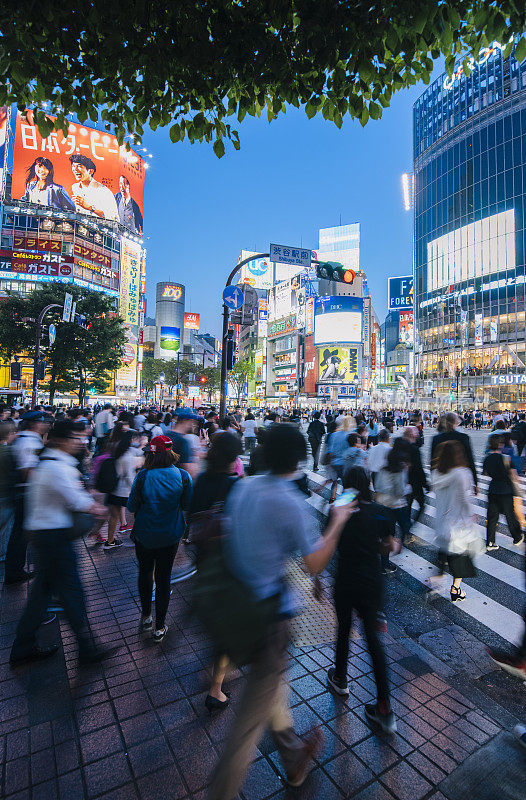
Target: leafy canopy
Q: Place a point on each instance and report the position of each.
(200, 66)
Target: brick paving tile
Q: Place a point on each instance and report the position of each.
(66, 755)
(403, 697)
(307, 687)
(450, 748)
(71, 785)
(421, 727)
(426, 767)
(102, 742)
(17, 744)
(460, 697)
(304, 719)
(442, 711)
(137, 729)
(41, 736)
(348, 773)
(376, 754)
(149, 756)
(482, 722)
(16, 775)
(375, 791)
(452, 704)
(438, 756)
(161, 785)
(409, 733)
(466, 727)
(405, 783)
(350, 728)
(106, 774)
(90, 719)
(261, 781)
(127, 792)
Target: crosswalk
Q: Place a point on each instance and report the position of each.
(495, 598)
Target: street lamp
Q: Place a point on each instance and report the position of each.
(161, 381)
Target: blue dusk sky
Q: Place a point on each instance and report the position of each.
(289, 179)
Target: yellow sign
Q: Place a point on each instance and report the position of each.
(130, 278)
(338, 365)
(127, 374)
(172, 292)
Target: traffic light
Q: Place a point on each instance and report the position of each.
(203, 379)
(334, 271)
(230, 351)
(16, 371)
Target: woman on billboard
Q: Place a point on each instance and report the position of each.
(42, 189)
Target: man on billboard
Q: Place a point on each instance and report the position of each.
(90, 196)
(129, 212)
(42, 189)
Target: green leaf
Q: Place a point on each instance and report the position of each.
(175, 132)
(520, 50)
(219, 148)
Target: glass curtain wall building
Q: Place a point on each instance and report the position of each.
(469, 140)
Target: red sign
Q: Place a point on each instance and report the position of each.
(86, 171)
(309, 366)
(405, 327)
(40, 263)
(191, 321)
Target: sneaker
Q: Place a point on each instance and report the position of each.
(387, 722)
(145, 624)
(515, 665)
(125, 528)
(409, 540)
(97, 538)
(337, 684)
(389, 569)
(492, 546)
(518, 541)
(160, 633)
(381, 622)
(312, 745)
(112, 545)
(520, 734)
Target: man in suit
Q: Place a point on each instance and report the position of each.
(416, 477)
(129, 211)
(452, 422)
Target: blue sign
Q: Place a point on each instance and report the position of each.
(233, 297)
(400, 293)
(296, 256)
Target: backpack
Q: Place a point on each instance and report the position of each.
(233, 617)
(107, 478)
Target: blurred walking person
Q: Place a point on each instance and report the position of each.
(315, 434)
(500, 493)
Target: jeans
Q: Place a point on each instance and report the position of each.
(263, 703)
(6, 525)
(161, 560)
(501, 504)
(250, 443)
(16, 553)
(403, 517)
(56, 575)
(344, 605)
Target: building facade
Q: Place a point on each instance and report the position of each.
(470, 236)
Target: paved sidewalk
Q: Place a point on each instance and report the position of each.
(136, 726)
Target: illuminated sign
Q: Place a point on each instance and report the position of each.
(338, 365)
(191, 321)
(281, 326)
(338, 320)
(172, 292)
(400, 292)
(485, 54)
(129, 294)
(170, 341)
(516, 377)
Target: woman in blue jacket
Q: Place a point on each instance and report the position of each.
(159, 495)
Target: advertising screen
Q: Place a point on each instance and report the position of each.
(191, 321)
(401, 292)
(338, 320)
(258, 273)
(309, 366)
(170, 341)
(86, 171)
(405, 327)
(130, 281)
(4, 113)
(338, 365)
(127, 374)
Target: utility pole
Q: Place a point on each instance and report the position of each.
(37, 351)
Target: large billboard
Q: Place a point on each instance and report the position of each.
(338, 320)
(338, 365)
(86, 171)
(191, 321)
(170, 341)
(400, 292)
(258, 273)
(405, 327)
(309, 366)
(130, 281)
(4, 115)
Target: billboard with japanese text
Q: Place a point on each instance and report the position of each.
(130, 281)
(338, 365)
(85, 172)
(191, 321)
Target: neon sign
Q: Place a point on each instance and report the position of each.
(172, 292)
(485, 54)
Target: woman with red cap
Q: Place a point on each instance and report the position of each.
(159, 496)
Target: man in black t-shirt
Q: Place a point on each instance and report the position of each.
(500, 493)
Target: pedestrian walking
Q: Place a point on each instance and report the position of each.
(392, 489)
(416, 476)
(358, 589)
(377, 455)
(500, 493)
(448, 432)
(54, 499)
(315, 434)
(267, 522)
(7, 483)
(249, 428)
(128, 458)
(159, 495)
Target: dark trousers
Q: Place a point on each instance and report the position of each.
(315, 447)
(344, 605)
(161, 560)
(401, 516)
(501, 504)
(57, 575)
(417, 494)
(16, 553)
(250, 443)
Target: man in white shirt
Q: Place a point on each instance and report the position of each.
(90, 196)
(104, 422)
(53, 495)
(377, 455)
(25, 451)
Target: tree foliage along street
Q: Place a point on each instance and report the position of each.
(152, 368)
(238, 374)
(201, 67)
(79, 359)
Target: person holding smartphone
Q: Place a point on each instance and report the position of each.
(358, 587)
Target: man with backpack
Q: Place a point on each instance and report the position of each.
(266, 523)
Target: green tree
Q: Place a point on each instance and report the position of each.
(239, 372)
(151, 369)
(79, 359)
(213, 380)
(198, 67)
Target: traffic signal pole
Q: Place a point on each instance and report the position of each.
(226, 315)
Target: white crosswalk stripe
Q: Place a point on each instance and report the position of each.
(503, 569)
